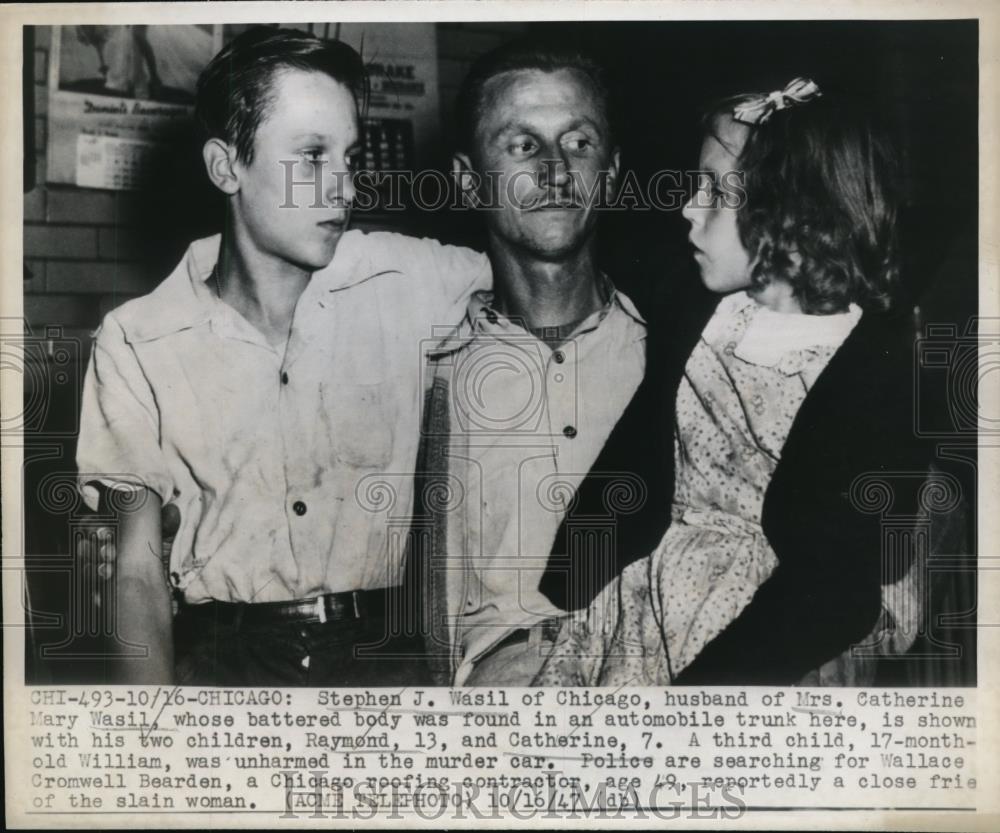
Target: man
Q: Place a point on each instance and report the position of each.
(524, 393)
(260, 387)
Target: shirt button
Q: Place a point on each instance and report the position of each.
(569, 431)
(284, 378)
(558, 357)
(558, 377)
(300, 508)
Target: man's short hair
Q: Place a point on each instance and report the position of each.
(234, 90)
(540, 52)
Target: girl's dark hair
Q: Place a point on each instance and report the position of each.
(544, 51)
(235, 90)
(820, 213)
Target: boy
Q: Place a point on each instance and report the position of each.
(264, 389)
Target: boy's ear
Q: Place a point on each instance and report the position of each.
(219, 163)
(466, 179)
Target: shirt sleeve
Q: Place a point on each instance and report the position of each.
(119, 444)
(446, 276)
(455, 272)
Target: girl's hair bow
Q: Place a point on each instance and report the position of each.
(758, 109)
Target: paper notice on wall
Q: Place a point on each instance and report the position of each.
(110, 162)
(119, 93)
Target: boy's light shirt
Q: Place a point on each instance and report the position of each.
(286, 489)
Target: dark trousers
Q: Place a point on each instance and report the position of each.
(350, 654)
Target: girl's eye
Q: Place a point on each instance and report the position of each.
(314, 155)
(708, 193)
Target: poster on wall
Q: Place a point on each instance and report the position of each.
(117, 97)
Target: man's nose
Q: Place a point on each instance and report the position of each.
(554, 172)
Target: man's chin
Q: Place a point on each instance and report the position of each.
(556, 246)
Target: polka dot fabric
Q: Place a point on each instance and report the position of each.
(733, 416)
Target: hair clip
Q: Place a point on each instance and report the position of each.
(758, 109)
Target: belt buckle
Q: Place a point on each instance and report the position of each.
(321, 609)
(354, 600)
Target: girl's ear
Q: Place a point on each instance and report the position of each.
(220, 163)
(466, 179)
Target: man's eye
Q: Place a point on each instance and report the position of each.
(578, 144)
(523, 147)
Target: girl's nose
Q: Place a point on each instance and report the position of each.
(689, 212)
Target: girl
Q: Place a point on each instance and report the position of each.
(795, 391)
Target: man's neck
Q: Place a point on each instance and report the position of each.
(545, 293)
(263, 288)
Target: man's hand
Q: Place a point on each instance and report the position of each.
(101, 552)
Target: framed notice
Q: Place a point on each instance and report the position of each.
(117, 97)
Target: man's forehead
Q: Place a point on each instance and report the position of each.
(526, 89)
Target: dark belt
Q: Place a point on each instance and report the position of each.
(352, 606)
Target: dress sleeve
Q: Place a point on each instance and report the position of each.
(825, 594)
(799, 618)
(119, 444)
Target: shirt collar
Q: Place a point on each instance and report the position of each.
(185, 300)
(770, 335)
(482, 319)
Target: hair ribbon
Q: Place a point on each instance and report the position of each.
(759, 108)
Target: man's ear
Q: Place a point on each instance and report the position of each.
(466, 179)
(220, 162)
(614, 166)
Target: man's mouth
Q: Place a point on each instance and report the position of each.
(550, 203)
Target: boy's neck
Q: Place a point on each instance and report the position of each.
(546, 294)
(263, 288)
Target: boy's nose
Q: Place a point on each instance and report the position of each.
(340, 187)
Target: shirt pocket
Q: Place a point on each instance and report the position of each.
(362, 420)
